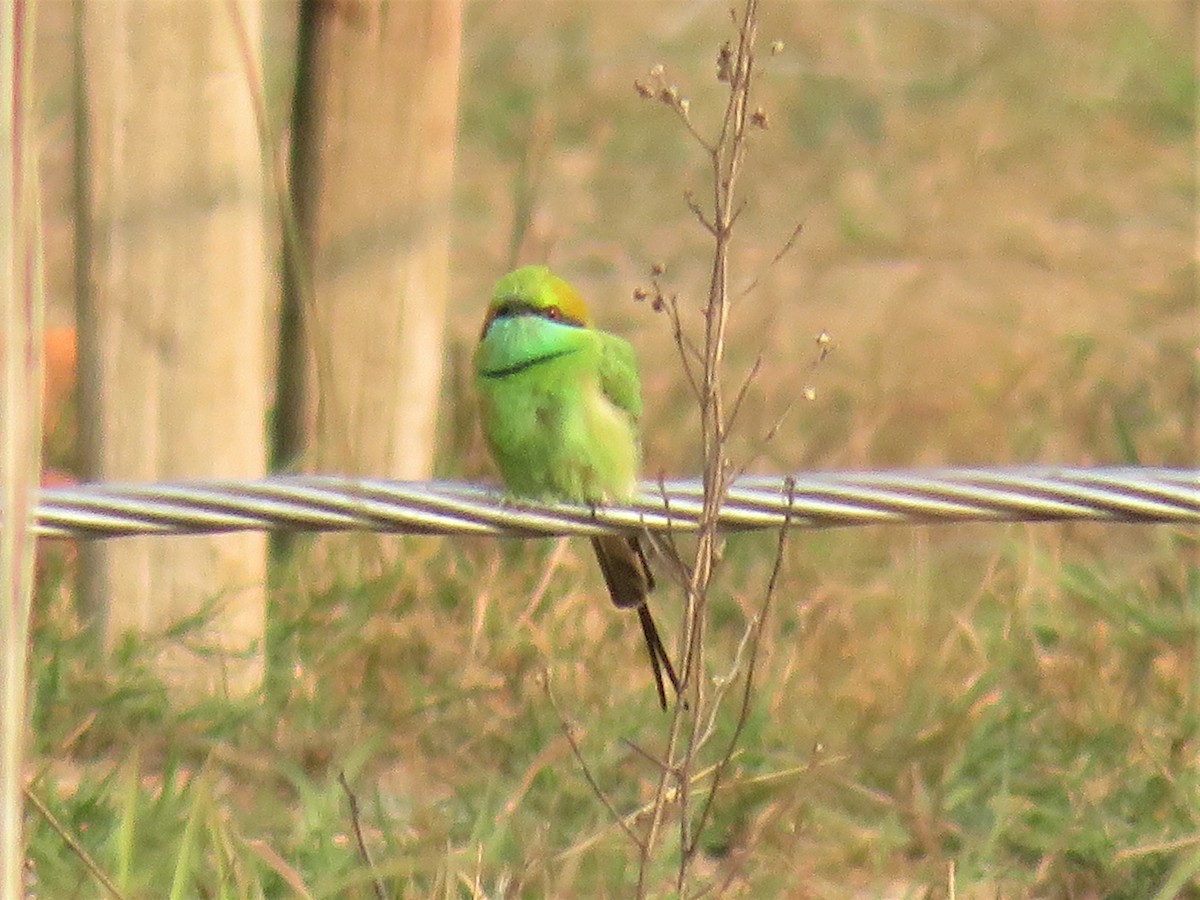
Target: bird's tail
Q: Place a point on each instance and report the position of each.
(630, 582)
(625, 569)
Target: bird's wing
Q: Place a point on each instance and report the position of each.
(619, 375)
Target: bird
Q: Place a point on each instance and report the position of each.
(559, 403)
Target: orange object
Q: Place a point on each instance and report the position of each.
(60, 348)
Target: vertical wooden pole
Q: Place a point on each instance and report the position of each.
(20, 420)
(172, 315)
(376, 110)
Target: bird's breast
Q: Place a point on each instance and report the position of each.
(551, 429)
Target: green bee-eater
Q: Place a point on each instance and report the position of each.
(560, 402)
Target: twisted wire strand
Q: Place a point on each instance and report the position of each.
(810, 500)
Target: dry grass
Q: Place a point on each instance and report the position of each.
(999, 214)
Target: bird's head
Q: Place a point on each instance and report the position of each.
(536, 292)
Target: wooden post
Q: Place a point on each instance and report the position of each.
(20, 418)
(172, 314)
(376, 108)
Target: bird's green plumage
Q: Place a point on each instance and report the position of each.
(560, 400)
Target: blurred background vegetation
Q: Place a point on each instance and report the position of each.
(999, 211)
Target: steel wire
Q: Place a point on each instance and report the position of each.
(810, 500)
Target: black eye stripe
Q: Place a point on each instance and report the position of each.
(511, 309)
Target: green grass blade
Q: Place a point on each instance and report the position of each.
(182, 879)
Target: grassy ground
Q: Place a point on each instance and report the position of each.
(999, 210)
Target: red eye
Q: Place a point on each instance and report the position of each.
(553, 313)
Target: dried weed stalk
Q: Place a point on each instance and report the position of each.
(683, 789)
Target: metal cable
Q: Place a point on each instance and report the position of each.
(811, 500)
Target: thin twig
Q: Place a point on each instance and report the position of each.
(825, 346)
(527, 183)
(682, 111)
(569, 734)
(703, 369)
(666, 545)
(726, 681)
(73, 845)
(725, 162)
(690, 199)
(744, 710)
(737, 213)
(783, 251)
(645, 809)
(298, 276)
(689, 354)
(766, 440)
(671, 303)
(380, 890)
(742, 391)
(644, 754)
